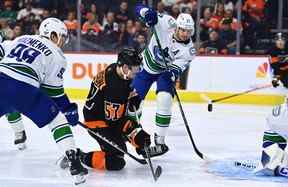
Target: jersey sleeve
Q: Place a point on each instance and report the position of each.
(94, 106)
(53, 81)
(166, 24)
(4, 48)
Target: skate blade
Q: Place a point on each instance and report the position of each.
(21, 146)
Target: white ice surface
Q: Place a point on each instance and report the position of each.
(228, 133)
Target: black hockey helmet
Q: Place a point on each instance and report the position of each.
(130, 57)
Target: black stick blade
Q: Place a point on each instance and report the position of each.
(210, 107)
(158, 172)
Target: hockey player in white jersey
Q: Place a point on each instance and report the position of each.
(175, 38)
(274, 158)
(31, 79)
(15, 119)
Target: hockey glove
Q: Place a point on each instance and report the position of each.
(71, 114)
(174, 74)
(134, 102)
(275, 81)
(148, 15)
(142, 138)
(151, 17)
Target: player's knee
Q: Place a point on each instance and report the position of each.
(164, 100)
(58, 120)
(115, 162)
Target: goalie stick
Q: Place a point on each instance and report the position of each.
(158, 171)
(279, 171)
(141, 161)
(178, 100)
(210, 102)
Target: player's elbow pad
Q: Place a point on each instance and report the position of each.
(62, 102)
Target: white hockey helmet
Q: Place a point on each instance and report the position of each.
(185, 21)
(50, 25)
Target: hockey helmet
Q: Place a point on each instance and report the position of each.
(50, 25)
(280, 36)
(185, 21)
(130, 57)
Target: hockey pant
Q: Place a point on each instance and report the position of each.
(37, 106)
(109, 157)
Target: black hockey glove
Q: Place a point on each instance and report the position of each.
(134, 101)
(276, 81)
(71, 114)
(142, 138)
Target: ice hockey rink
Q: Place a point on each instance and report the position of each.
(230, 133)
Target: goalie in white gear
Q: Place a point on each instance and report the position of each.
(274, 159)
(31, 79)
(175, 38)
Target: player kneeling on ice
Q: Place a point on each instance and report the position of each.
(175, 38)
(105, 113)
(274, 158)
(31, 79)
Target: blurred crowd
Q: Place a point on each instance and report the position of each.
(111, 24)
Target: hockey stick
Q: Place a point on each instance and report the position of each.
(244, 165)
(141, 161)
(155, 173)
(210, 102)
(178, 99)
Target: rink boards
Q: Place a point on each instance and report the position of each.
(215, 76)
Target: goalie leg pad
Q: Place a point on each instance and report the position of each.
(273, 154)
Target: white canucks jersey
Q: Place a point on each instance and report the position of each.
(177, 54)
(35, 60)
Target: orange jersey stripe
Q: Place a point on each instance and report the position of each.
(96, 124)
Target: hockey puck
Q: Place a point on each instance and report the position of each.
(210, 107)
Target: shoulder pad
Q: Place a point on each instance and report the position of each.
(99, 80)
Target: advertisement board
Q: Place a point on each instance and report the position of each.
(216, 76)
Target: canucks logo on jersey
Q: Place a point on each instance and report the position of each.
(158, 55)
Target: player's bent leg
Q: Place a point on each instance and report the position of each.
(102, 161)
(17, 126)
(63, 136)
